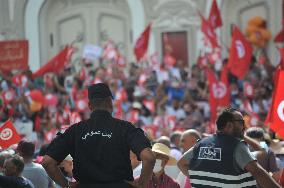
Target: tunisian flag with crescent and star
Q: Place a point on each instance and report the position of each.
(277, 106)
(8, 135)
(240, 54)
(57, 63)
(208, 30)
(219, 91)
(141, 44)
(215, 16)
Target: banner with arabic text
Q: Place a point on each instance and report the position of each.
(13, 55)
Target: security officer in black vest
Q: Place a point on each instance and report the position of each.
(100, 148)
(224, 160)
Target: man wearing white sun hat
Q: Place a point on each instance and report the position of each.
(159, 178)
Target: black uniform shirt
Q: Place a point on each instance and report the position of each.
(100, 147)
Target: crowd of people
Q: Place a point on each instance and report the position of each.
(169, 102)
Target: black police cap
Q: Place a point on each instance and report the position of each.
(99, 91)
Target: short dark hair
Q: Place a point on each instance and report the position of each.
(175, 135)
(26, 149)
(18, 161)
(227, 115)
(255, 132)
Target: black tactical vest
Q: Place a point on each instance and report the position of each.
(213, 164)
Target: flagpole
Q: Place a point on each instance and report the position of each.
(78, 38)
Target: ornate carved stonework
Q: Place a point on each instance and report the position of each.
(171, 13)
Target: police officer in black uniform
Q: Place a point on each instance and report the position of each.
(100, 147)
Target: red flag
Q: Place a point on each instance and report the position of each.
(277, 112)
(268, 118)
(169, 60)
(281, 52)
(280, 36)
(118, 112)
(121, 61)
(8, 96)
(81, 105)
(219, 91)
(209, 32)
(248, 89)
(202, 60)
(50, 100)
(20, 80)
(141, 44)
(48, 81)
(75, 118)
(57, 63)
(8, 135)
(142, 79)
(253, 120)
(150, 104)
(240, 54)
(151, 130)
(154, 59)
(170, 122)
(50, 135)
(133, 116)
(214, 56)
(121, 94)
(83, 74)
(110, 51)
(36, 95)
(215, 16)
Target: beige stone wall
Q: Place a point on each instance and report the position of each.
(61, 21)
(12, 19)
(94, 22)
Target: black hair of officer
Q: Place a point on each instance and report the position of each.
(226, 115)
(100, 97)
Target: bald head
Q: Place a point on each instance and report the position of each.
(189, 138)
(164, 140)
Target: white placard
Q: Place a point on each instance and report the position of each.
(92, 52)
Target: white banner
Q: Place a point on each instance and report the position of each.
(92, 52)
